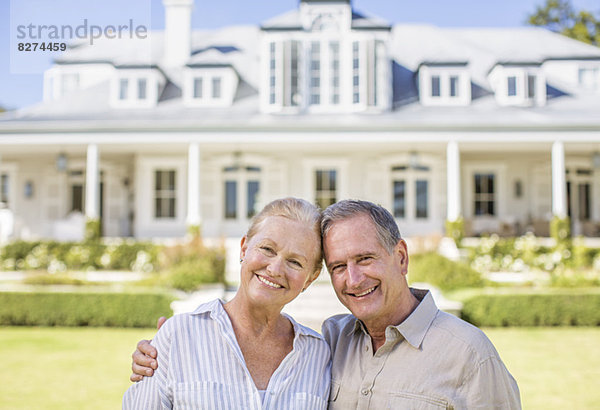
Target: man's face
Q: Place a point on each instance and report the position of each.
(367, 279)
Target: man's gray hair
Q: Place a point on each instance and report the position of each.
(385, 225)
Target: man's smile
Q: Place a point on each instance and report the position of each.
(362, 293)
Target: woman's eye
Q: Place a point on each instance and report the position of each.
(296, 263)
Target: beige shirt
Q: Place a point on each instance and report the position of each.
(432, 360)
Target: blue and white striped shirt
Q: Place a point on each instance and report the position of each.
(201, 366)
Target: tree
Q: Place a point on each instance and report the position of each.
(560, 16)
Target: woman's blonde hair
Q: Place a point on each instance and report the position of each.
(295, 209)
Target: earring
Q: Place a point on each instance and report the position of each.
(241, 260)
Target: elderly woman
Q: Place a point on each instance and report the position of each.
(246, 354)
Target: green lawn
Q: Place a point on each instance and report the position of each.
(88, 368)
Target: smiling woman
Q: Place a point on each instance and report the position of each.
(246, 353)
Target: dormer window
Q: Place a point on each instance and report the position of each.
(589, 77)
(518, 85)
(209, 86)
(142, 84)
(444, 84)
(136, 87)
(123, 89)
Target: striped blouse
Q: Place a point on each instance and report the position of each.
(200, 366)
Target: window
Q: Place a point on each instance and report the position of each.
(70, 82)
(422, 205)
(454, 86)
(399, 202)
(272, 73)
(589, 77)
(325, 187)
(315, 73)
(435, 86)
(231, 200)
(77, 198)
(334, 55)
(123, 88)
(164, 193)
(242, 187)
(142, 83)
(584, 201)
(410, 191)
(198, 87)
(216, 87)
(530, 86)
(355, 73)
(512, 86)
(484, 195)
(4, 189)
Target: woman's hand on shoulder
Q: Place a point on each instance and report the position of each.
(144, 358)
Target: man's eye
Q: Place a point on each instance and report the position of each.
(267, 249)
(365, 259)
(337, 268)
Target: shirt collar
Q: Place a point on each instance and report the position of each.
(218, 313)
(415, 326)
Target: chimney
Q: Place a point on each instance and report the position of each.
(178, 32)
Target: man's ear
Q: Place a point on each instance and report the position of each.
(401, 251)
(243, 247)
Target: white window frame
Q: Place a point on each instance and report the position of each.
(310, 166)
(241, 177)
(445, 74)
(228, 81)
(134, 76)
(499, 79)
(501, 194)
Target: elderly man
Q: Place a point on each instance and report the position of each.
(396, 349)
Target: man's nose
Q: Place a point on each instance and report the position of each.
(355, 275)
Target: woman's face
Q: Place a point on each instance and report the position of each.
(278, 261)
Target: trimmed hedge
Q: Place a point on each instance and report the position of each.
(83, 309)
(533, 310)
(439, 271)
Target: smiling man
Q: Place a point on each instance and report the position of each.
(397, 349)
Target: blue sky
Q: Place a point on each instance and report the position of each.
(19, 90)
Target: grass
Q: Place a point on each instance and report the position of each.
(66, 368)
(88, 368)
(556, 368)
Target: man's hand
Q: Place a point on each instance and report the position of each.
(144, 358)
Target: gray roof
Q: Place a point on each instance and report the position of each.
(291, 21)
(410, 46)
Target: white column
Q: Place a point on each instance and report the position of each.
(559, 184)
(92, 183)
(453, 211)
(193, 209)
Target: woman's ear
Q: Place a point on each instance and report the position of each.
(243, 247)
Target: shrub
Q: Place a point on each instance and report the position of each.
(560, 230)
(46, 279)
(190, 274)
(533, 310)
(456, 230)
(441, 272)
(191, 264)
(83, 309)
(61, 256)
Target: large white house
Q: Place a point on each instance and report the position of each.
(202, 127)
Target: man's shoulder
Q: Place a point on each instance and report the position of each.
(459, 332)
(337, 326)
